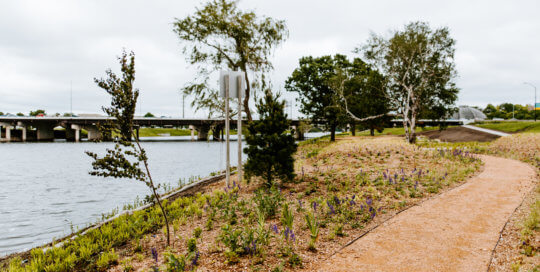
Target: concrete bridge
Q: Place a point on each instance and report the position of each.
(43, 128)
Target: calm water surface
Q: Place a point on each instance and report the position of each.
(45, 189)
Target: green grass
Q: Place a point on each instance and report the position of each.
(510, 126)
(154, 132)
(394, 131)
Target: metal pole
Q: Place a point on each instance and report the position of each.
(534, 105)
(71, 99)
(239, 127)
(183, 98)
(227, 156)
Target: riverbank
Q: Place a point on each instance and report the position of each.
(342, 188)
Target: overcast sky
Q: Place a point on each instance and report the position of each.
(46, 45)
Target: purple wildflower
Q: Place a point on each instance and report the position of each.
(369, 201)
(286, 233)
(155, 254)
(194, 261)
(314, 206)
(300, 203)
(275, 229)
(336, 200)
(332, 210)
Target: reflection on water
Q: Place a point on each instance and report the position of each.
(45, 189)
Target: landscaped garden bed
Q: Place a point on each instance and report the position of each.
(341, 190)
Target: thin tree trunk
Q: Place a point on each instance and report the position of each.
(246, 98)
(353, 129)
(156, 195)
(333, 132)
(372, 131)
(412, 136)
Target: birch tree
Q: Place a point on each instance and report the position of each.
(418, 63)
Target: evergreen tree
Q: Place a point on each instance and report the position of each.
(270, 148)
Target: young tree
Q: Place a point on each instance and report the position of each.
(124, 161)
(270, 148)
(149, 114)
(419, 65)
(218, 35)
(311, 81)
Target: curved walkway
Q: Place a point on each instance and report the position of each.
(455, 231)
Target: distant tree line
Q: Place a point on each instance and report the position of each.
(509, 111)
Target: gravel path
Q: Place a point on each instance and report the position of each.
(455, 231)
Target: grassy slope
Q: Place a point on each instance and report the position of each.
(394, 131)
(511, 126)
(354, 182)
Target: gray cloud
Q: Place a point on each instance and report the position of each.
(45, 45)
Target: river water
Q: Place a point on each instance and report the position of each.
(46, 191)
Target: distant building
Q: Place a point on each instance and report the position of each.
(468, 114)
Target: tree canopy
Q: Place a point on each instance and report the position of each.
(37, 112)
(418, 63)
(509, 111)
(220, 35)
(311, 81)
(123, 95)
(361, 91)
(325, 84)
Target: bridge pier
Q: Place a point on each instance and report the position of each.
(45, 132)
(192, 129)
(24, 128)
(93, 133)
(298, 135)
(74, 133)
(217, 133)
(202, 132)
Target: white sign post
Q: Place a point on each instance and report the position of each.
(232, 84)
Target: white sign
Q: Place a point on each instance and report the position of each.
(234, 80)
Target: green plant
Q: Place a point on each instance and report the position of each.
(106, 259)
(268, 202)
(287, 217)
(175, 263)
(270, 148)
(313, 227)
(197, 232)
(338, 230)
(191, 245)
(126, 264)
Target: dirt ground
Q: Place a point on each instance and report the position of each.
(456, 231)
(459, 134)
(508, 251)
